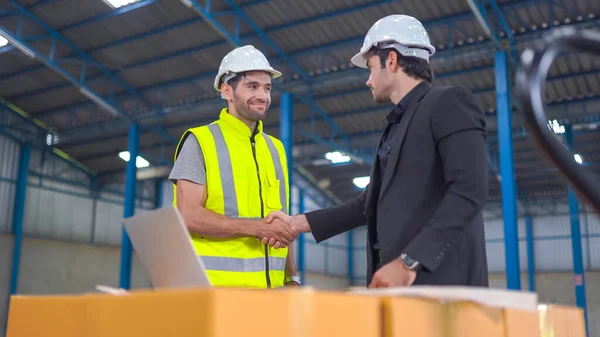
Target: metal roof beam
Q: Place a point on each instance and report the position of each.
(190, 50)
(478, 7)
(77, 133)
(342, 75)
(211, 74)
(82, 136)
(447, 53)
(12, 115)
(116, 12)
(106, 103)
(477, 49)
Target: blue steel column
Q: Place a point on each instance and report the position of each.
(580, 297)
(159, 193)
(507, 172)
(19, 214)
(130, 194)
(286, 135)
(351, 257)
(530, 255)
(301, 241)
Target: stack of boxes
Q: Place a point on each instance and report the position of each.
(294, 312)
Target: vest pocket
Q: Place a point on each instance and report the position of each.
(272, 192)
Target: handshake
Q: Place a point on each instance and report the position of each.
(279, 230)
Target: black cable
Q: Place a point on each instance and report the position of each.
(531, 76)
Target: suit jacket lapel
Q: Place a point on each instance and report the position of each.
(372, 175)
(398, 142)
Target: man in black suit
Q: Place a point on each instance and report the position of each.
(429, 182)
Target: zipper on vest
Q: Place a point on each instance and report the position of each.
(262, 208)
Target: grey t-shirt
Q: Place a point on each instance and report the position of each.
(190, 163)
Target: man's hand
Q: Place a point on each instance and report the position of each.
(281, 232)
(298, 222)
(393, 274)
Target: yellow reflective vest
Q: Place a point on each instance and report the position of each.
(246, 178)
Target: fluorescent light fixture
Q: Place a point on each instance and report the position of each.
(3, 41)
(98, 100)
(578, 158)
(24, 49)
(337, 157)
(51, 139)
(361, 182)
(556, 127)
(120, 3)
(139, 161)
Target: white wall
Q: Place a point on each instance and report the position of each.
(552, 243)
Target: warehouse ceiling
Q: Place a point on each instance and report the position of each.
(88, 69)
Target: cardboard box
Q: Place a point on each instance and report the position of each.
(47, 316)
(561, 321)
(198, 312)
(458, 311)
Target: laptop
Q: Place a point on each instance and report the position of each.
(163, 245)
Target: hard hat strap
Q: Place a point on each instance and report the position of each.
(405, 50)
(228, 76)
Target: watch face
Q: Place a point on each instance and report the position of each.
(410, 263)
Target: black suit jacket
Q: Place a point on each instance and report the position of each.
(429, 201)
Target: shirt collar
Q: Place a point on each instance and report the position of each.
(415, 93)
(234, 123)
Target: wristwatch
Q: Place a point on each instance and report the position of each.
(293, 279)
(409, 262)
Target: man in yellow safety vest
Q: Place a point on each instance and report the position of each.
(229, 175)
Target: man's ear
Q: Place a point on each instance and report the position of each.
(392, 61)
(227, 91)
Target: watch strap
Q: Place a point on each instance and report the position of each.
(409, 262)
(293, 279)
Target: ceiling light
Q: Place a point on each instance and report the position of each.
(6, 36)
(578, 158)
(119, 3)
(139, 162)
(361, 182)
(337, 157)
(3, 41)
(51, 139)
(555, 126)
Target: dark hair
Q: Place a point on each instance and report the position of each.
(234, 81)
(414, 67)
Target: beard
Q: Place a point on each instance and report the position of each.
(381, 97)
(246, 110)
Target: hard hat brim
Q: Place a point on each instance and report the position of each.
(359, 60)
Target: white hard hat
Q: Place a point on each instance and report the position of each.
(242, 59)
(401, 32)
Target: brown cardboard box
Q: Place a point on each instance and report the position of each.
(561, 321)
(458, 311)
(202, 312)
(47, 316)
(406, 316)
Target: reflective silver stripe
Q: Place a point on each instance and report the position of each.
(256, 264)
(229, 195)
(278, 172)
